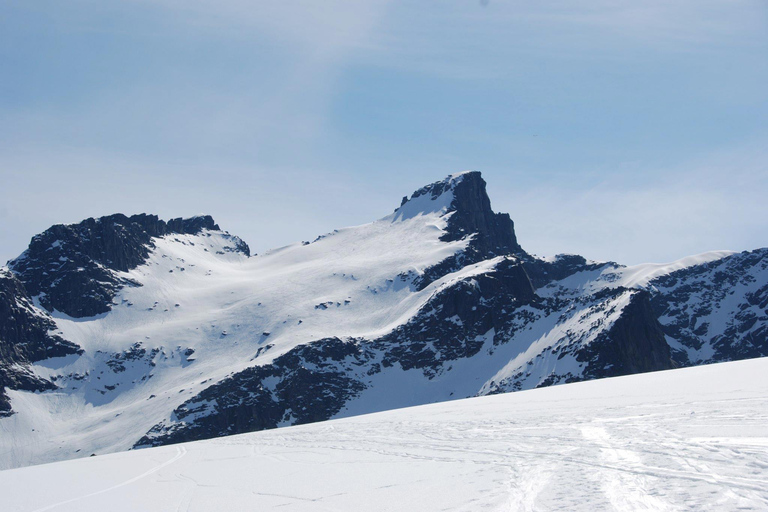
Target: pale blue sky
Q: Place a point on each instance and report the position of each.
(623, 130)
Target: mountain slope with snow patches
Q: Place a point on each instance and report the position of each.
(171, 331)
(687, 439)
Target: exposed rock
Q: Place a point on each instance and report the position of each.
(543, 272)
(25, 337)
(494, 233)
(470, 215)
(451, 324)
(716, 311)
(310, 383)
(634, 344)
(72, 268)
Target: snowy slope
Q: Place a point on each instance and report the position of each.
(689, 439)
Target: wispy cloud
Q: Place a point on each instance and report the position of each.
(710, 202)
(337, 107)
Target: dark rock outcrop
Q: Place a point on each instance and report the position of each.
(604, 334)
(25, 337)
(634, 344)
(543, 272)
(492, 234)
(451, 324)
(71, 268)
(311, 383)
(716, 311)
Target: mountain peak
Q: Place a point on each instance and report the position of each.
(464, 196)
(495, 232)
(72, 267)
(462, 201)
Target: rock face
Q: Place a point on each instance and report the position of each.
(494, 233)
(717, 311)
(544, 272)
(634, 344)
(310, 383)
(604, 334)
(25, 337)
(74, 268)
(470, 216)
(453, 323)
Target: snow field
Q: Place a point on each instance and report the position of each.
(689, 439)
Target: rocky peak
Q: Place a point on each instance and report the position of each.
(463, 198)
(463, 195)
(72, 267)
(495, 232)
(114, 241)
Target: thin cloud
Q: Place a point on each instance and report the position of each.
(711, 202)
(571, 110)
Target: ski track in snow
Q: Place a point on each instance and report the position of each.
(626, 489)
(180, 452)
(692, 439)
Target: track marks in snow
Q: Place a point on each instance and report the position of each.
(186, 497)
(180, 452)
(589, 447)
(626, 490)
(526, 487)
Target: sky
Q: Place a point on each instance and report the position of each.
(620, 130)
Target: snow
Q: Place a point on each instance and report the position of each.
(638, 276)
(690, 439)
(538, 363)
(425, 204)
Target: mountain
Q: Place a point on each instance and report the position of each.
(151, 332)
(686, 439)
(75, 269)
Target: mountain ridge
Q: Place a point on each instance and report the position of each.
(191, 337)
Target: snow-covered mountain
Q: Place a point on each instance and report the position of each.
(690, 439)
(125, 332)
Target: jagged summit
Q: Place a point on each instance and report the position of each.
(462, 200)
(463, 195)
(72, 268)
(109, 239)
(495, 231)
